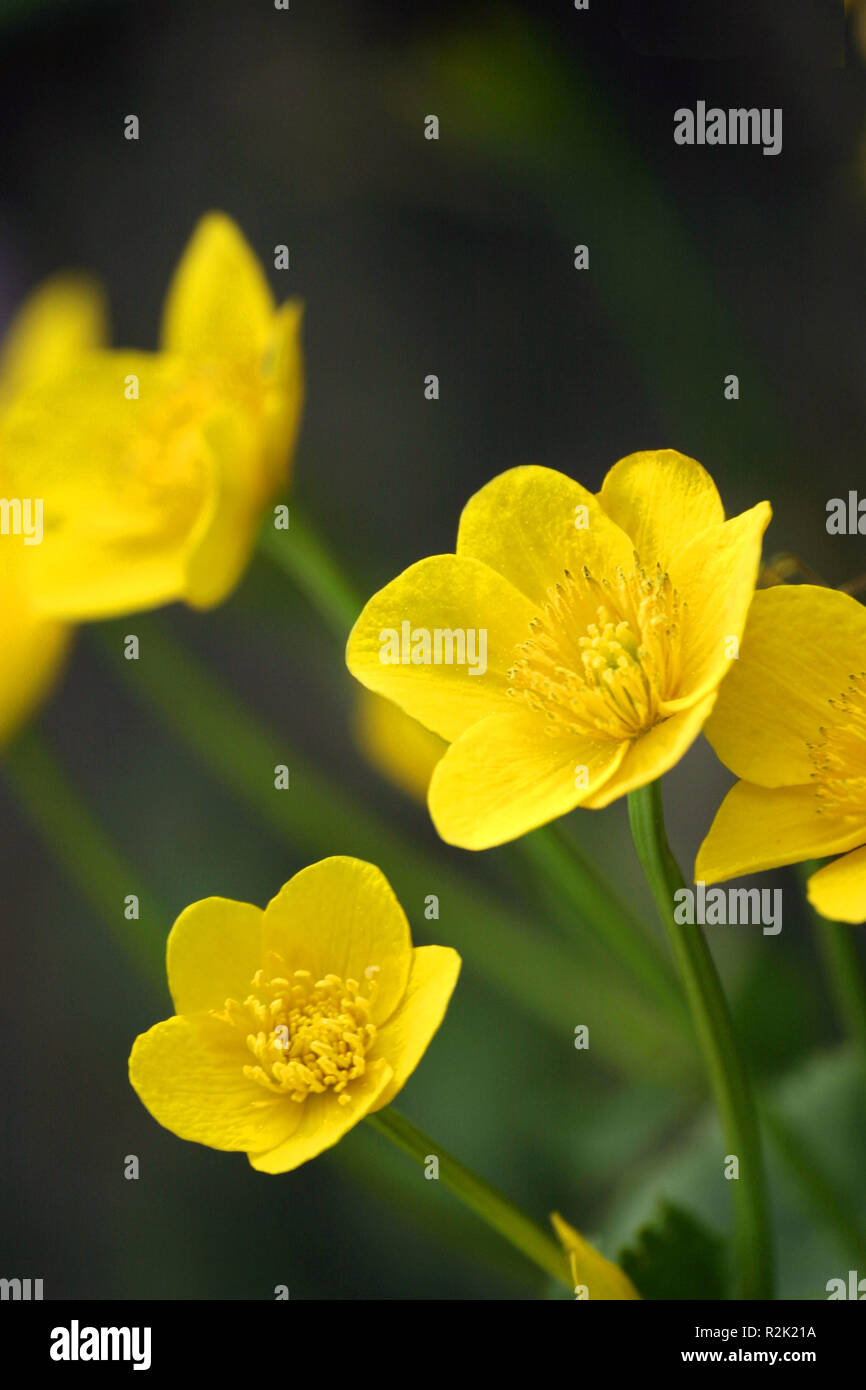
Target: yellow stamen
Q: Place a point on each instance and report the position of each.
(839, 759)
(307, 1036)
(603, 656)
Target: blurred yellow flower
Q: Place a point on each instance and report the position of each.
(155, 467)
(400, 748)
(573, 646)
(60, 320)
(791, 722)
(593, 1275)
(294, 1023)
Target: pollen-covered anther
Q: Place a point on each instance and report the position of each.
(307, 1036)
(603, 656)
(839, 758)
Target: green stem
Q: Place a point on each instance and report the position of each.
(301, 555)
(578, 881)
(497, 1211)
(100, 872)
(843, 966)
(727, 1071)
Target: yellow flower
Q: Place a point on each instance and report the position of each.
(62, 319)
(573, 646)
(155, 467)
(396, 745)
(791, 721)
(294, 1023)
(590, 1271)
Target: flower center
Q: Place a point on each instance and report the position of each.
(839, 759)
(602, 656)
(307, 1036)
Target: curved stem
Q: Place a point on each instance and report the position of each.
(303, 556)
(729, 1078)
(497, 1211)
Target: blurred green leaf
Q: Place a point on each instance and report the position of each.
(675, 1256)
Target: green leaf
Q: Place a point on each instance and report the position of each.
(675, 1256)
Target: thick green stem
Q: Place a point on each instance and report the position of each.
(729, 1078)
(497, 1211)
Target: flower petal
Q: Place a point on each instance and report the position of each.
(404, 1039)
(445, 593)
(214, 950)
(506, 775)
(283, 386)
(188, 1072)
(759, 828)
(126, 483)
(324, 1121)
(662, 500)
(397, 746)
(218, 303)
(716, 575)
(341, 917)
(838, 891)
(523, 524)
(601, 1278)
(33, 651)
(226, 534)
(63, 318)
(654, 753)
(800, 647)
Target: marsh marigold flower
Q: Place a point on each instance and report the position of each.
(295, 1022)
(573, 646)
(791, 722)
(601, 1278)
(62, 319)
(155, 467)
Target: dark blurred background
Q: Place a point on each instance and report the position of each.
(452, 257)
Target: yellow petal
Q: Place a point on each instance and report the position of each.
(523, 525)
(601, 1278)
(759, 828)
(218, 303)
(653, 754)
(800, 647)
(62, 319)
(214, 950)
(226, 533)
(404, 1039)
(341, 917)
(444, 593)
(715, 576)
(324, 1121)
(662, 500)
(283, 387)
(398, 746)
(33, 650)
(127, 484)
(838, 891)
(506, 775)
(188, 1072)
